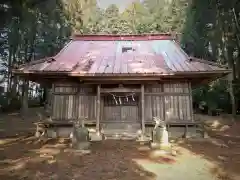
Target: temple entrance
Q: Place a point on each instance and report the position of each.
(120, 113)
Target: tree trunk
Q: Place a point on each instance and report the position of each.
(24, 108)
(46, 98)
(9, 81)
(232, 95)
(232, 81)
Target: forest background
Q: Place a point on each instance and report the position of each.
(34, 29)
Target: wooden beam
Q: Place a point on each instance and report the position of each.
(65, 93)
(118, 82)
(98, 108)
(120, 78)
(73, 94)
(142, 109)
(125, 90)
(167, 94)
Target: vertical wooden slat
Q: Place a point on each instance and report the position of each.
(191, 105)
(52, 101)
(77, 106)
(98, 108)
(60, 107)
(70, 107)
(163, 103)
(181, 107)
(63, 107)
(142, 109)
(149, 114)
(74, 107)
(85, 107)
(153, 106)
(90, 107)
(102, 116)
(178, 90)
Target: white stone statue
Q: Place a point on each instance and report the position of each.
(164, 136)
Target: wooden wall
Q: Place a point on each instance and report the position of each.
(71, 102)
(170, 102)
(127, 111)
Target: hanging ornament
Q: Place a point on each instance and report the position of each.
(115, 99)
(120, 101)
(133, 98)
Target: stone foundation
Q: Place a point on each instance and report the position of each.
(179, 132)
(173, 132)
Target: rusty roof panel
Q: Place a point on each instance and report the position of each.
(152, 55)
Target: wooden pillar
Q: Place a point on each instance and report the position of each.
(98, 109)
(142, 109)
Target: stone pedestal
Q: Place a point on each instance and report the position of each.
(96, 136)
(81, 145)
(80, 138)
(205, 134)
(160, 138)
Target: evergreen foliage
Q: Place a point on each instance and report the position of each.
(210, 29)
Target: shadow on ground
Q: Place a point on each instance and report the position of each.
(28, 158)
(12, 124)
(222, 148)
(25, 157)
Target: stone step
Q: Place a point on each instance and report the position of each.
(120, 134)
(121, 126)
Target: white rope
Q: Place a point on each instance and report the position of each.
(118, 100)
(128, 95)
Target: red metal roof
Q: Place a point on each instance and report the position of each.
(122, 55)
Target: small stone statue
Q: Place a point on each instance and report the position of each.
(80, 136)
(160, 134)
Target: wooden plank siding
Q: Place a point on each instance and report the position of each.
(127, 111)
(72, 102)
(170, 102)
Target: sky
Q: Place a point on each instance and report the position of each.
(122, 4)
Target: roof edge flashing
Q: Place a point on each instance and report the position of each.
(123, 37)
(194, 59)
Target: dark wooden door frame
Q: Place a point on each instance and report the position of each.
(120, 108)
(121, 89)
